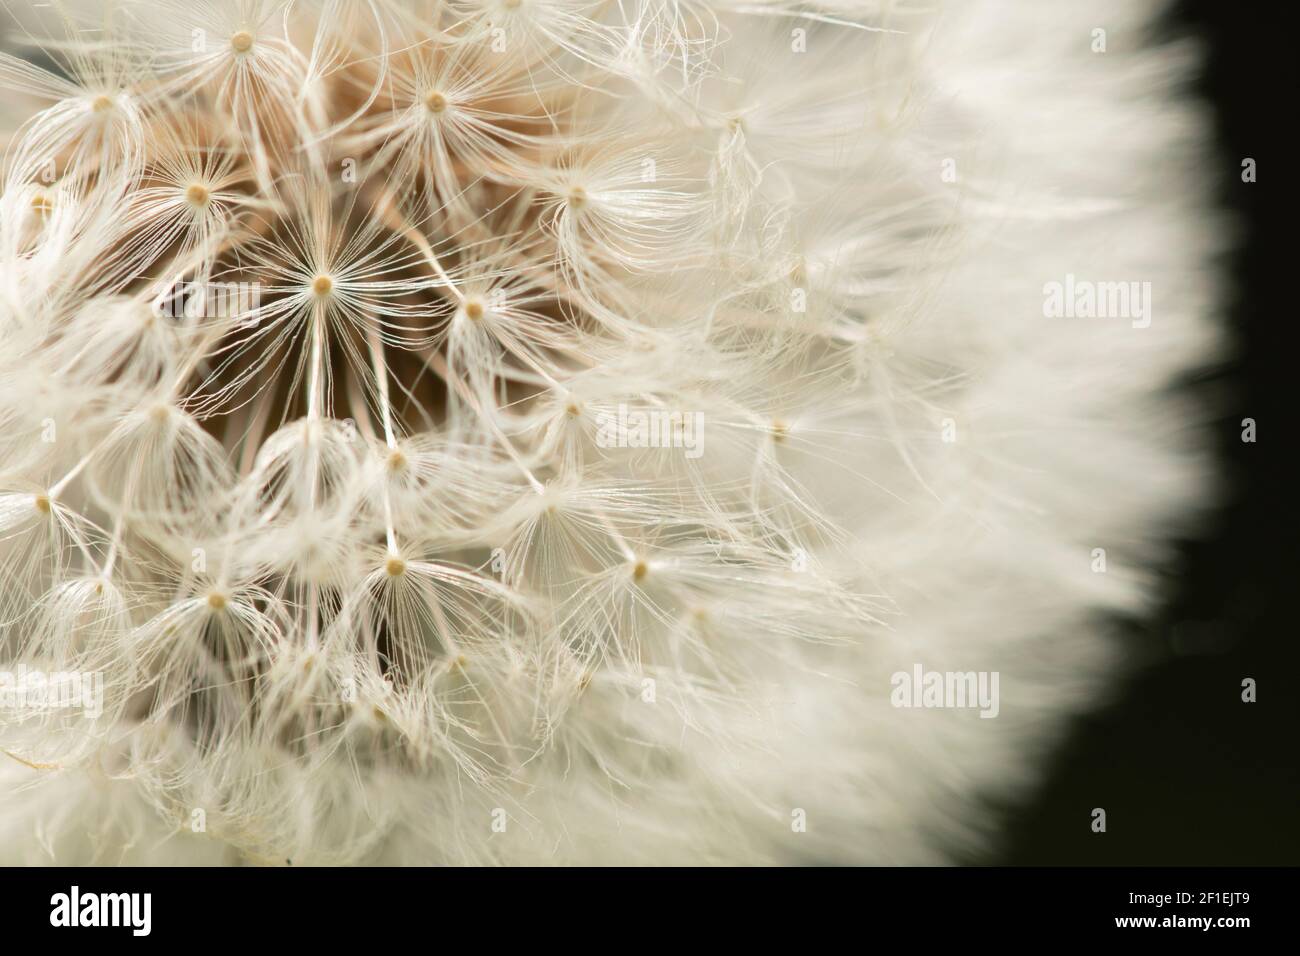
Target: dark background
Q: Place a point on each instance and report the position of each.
(1187, 772)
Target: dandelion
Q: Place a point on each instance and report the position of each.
(354, 556)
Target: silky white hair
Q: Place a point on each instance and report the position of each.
(331, 339)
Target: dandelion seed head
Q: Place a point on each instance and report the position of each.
(373, 346)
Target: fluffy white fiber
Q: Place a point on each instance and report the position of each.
(366, 554)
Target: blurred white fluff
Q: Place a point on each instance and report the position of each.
(361, 581)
